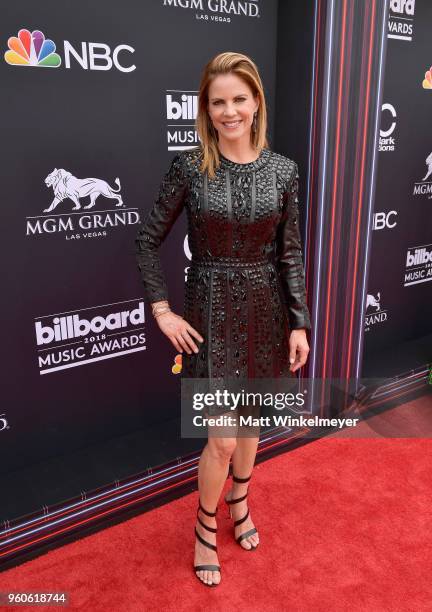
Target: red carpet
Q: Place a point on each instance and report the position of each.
(344, 525)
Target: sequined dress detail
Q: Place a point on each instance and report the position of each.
(245, 284)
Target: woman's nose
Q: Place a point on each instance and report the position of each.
(229, 111)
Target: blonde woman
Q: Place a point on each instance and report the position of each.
(245, 313)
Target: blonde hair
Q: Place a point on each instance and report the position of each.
(242, 66)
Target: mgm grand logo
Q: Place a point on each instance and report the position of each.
(69, 218)
(204, 8)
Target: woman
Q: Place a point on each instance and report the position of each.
(245, 285)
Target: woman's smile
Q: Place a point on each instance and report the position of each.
(231, 125)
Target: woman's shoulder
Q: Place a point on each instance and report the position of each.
(188, 156)
(285, 167)
(187, 159)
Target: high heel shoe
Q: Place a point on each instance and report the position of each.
(250, 532)
(210, 567)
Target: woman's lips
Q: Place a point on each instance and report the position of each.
(231, 125)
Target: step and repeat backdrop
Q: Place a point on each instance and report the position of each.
(399, 300)
(96, 99)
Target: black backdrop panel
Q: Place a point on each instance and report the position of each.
(399, 302)
(68, 133)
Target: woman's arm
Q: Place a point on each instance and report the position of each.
(152, 232)
(289, 256)
(154, 229)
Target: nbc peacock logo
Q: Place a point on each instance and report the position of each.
(32, 49)
(427, 81)
(177, 367)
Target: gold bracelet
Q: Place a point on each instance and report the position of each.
(160, 312)
(159, 305)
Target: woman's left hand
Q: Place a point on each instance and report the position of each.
(298, 349)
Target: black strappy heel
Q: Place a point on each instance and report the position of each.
(250, 532)
(210, 567)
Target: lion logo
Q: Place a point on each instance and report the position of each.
(66, 185)
(373, 302)
(429, 167)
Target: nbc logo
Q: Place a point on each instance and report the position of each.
(427, 81)
(177, 367)
(32, 49)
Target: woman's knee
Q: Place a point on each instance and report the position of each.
(222, 448)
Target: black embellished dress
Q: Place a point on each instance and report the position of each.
(245, 285)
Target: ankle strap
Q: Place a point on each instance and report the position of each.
(238, 499)
(206, 511)
(236, 479)
(212, 529)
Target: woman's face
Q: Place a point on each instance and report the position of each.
(231, 107)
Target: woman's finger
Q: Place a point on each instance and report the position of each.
(189, 340)
(292, 353)
(301, 358)
(194, 333)
(176, 344)
(183, 343)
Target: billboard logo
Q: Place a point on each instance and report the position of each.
(183, 106)
(401, 19)
(418, 265)
(181, 111)
(32, 49)
(402, 7)
(98, 332)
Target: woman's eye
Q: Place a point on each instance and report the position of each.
(237, 100)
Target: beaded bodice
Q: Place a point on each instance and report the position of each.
(233, 214)
(247, 213)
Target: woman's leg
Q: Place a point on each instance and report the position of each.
(243, 460)
(212, 473)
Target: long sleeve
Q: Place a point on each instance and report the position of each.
(154, 229)
(289, 257)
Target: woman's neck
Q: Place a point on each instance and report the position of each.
(238, 152)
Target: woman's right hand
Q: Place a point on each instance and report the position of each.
(179, 332)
